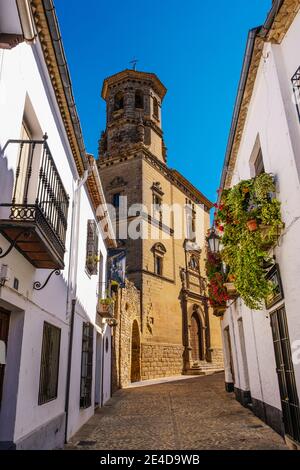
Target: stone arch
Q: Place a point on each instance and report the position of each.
(119, 101)
(135, 353)
(197, 340)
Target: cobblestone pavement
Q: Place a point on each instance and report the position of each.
(194, 414)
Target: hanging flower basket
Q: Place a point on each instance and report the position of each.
(219, 310)
(231, 290)
(106, 308)
(252, 225)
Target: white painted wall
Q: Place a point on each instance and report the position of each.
(24, 78)
(273, 117)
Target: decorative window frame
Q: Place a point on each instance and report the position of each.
(159, 251)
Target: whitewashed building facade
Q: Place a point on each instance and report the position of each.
(261, 348)
(54, 351)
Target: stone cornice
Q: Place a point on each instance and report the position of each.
(283, 21)
(134, 75)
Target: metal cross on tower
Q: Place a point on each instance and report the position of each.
(134, 62)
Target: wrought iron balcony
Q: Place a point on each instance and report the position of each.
(35, 221)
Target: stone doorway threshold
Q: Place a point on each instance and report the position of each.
(146, 383)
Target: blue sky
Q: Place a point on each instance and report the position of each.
(196, 48)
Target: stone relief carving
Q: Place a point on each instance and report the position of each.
(150, 319)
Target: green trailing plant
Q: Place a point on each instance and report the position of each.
(217, 292)
(107, 300)
(247, 252)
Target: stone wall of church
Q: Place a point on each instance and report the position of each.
(161, 360)
(126, 313)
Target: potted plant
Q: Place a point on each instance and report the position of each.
(106, 307)
(251, 227)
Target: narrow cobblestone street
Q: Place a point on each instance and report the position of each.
(194, 414)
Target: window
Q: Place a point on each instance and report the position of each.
(259, 164)
(157, 195)
(158, 265)
(139, 100)
(155, 108)
(296, 88)
(25, 158)
(157, 207)
(49, 364)
(119, 101)
(92, 255)
(116, 200)
(159, 252)
(190, 221)
(86, 365)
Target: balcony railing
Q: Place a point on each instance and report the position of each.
(35, 221)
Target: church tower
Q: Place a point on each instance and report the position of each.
(134, 100)
(177, 332)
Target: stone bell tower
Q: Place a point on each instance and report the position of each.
(173, 333)
(133, 101)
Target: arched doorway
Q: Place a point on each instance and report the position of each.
(197, 338)
(135, 353)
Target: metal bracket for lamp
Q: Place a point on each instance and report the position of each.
(26, 234)
(38, 286)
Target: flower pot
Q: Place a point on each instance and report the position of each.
(105, 310)
(252, 225)
(219, 310)
(231, 290)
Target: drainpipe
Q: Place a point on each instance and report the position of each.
(72, 285)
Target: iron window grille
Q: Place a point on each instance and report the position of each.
(296, 88)
(86, 365)
(92, 253)
(49, 364)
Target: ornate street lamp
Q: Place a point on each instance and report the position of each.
(214, 241)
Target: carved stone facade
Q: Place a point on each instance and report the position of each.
(178, 333)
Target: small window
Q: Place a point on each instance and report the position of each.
(158, 265)
(116, 200)
(92, 255)
(139, 100)
(119, 101)
(86, 365)
(259, 164)
(159, 252)
(155, 108)
(49, 364)
(191, 222)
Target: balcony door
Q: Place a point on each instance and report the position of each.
(286, 374)
(22, 176)
(4, 326)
